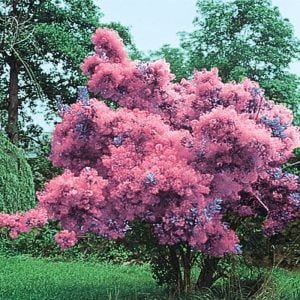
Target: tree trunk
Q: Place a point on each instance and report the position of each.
(187, 268)
(176, 267)
(13, 102)
(181, 259)
(206, 276)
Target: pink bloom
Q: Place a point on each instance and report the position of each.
(179, 156)
(66, 239)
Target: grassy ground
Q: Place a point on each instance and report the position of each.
(35, 279)
(23, 278)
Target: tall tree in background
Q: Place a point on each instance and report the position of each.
(42, 43)
(243, 38)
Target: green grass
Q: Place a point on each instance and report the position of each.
(36, 279)
(23, 278)
(287, 284)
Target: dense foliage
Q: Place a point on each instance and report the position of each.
(41, 166)
(182, 157)
(16, 181)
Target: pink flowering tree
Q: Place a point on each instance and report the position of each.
(177, 156)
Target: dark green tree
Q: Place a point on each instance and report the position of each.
(42, 43)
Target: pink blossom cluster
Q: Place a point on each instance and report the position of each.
(179, 156)
(66, 239)
(23, 222)
(281, 195)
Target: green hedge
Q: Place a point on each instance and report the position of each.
(16, 180)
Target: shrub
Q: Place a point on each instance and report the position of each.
(193, 161)
(41, 166)
(16, 181)
(40, 243)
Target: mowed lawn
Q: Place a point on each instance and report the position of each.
(37, 279)
(23, 278)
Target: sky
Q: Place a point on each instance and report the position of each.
(156, 22)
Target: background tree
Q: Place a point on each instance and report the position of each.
(242, 38)
(42, 43)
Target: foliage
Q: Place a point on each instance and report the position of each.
(38, 159)
(179, 157)
(179, 64)
(16, 182)
(40, 243)
(281, 249)
(242, 38)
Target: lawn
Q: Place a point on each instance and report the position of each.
(23, 278)
(37, 279)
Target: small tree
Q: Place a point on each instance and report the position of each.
(182, 157)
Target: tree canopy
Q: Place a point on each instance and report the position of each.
(181, 157)
(242, 38)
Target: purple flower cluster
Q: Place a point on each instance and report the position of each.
(213, 208)
(296, 198)
(83, 95)
(118, 140)
(276, 126)
(150, 179)
(84, 127)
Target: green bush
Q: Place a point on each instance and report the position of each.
(40, 243)
(282, 249)
(16, 181)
